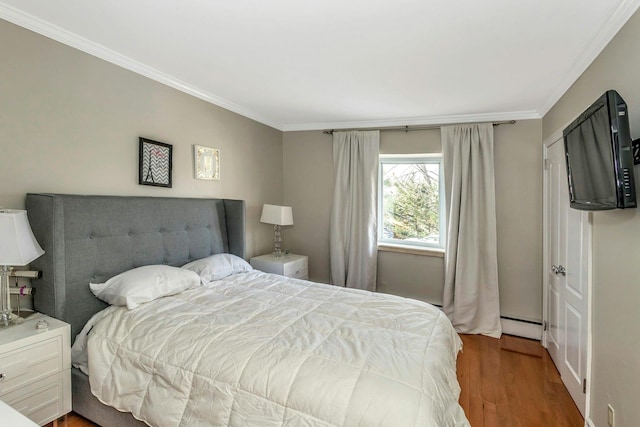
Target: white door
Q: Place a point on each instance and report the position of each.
(566, 276)
(556, 214)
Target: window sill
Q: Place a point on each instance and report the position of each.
(412, 250)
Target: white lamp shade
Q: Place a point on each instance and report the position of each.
(18, 245)
(277, 215)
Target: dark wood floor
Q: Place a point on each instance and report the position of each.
(510, 382)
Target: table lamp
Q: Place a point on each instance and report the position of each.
(278, 216)
(18, 246)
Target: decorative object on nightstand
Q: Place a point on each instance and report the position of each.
(289, 265)
(18, 246)
(22, 291)
(278, 216)
(35, 368)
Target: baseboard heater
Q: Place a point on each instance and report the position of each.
(519, 327)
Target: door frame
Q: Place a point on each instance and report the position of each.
(556, 137)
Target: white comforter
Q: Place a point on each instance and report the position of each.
(257, 349)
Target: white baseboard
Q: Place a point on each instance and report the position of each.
(521, 329)
(589, 423)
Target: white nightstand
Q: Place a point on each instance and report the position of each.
(290, 265)
(35, 368)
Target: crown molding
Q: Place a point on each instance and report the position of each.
(416, 121)
(68, 38)
(622, 14)
(614, 24)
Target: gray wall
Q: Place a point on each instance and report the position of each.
(616, 241)
(69, 123)
(308, 186)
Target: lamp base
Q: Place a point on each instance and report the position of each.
(7, 318)
(276, 241)
(10, 320)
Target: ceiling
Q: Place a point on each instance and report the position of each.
(303, 64)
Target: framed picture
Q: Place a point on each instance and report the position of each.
(206, 162)
(155, 163)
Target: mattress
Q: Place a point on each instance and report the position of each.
(265, 350)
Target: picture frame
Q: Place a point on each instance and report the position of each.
(206, 163)
(155, 163)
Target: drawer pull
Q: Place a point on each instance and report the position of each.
(2, 377)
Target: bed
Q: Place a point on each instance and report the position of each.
(272, 350)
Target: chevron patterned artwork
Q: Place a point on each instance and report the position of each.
(155, 163)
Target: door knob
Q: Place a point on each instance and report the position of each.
(559, 269)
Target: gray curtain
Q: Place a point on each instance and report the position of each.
(470, 297)
(353, 237)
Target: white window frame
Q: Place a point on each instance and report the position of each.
(431, 158)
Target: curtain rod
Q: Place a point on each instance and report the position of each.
(410, 128)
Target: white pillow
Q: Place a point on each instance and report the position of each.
(218, 266)
(144, 284)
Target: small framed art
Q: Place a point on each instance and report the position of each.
(155, 163)
(206, 162)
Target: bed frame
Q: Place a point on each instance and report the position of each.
(92, 238)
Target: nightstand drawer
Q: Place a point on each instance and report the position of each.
(25, 365)
(302, 274)
(289, 265)
(44, 400)
(36, 367)
(296, 269)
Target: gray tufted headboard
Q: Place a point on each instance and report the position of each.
(92, 238)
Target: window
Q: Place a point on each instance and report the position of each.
(410, 201)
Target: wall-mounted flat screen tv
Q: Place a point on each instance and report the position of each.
(599, 156)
